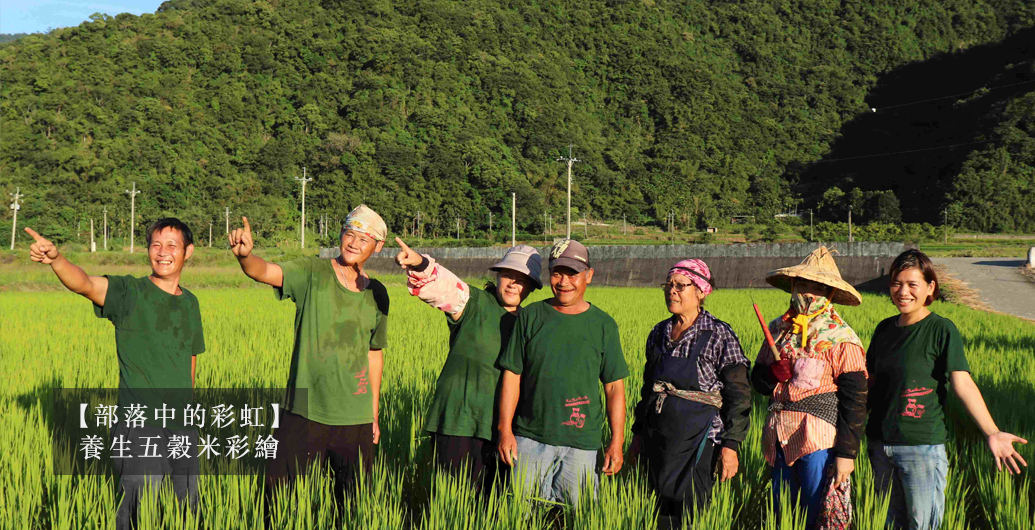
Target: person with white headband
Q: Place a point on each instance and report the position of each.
(341, 330)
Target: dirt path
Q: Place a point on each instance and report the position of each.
(998, 281)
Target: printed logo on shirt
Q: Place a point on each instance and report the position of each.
(363, 383)
(912, 410)
(577, 418)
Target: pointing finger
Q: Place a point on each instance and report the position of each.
(34, 235)
(247, 226)
(402, 245)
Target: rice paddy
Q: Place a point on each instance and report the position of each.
(51, 340)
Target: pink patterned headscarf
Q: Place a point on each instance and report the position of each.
(697, 271)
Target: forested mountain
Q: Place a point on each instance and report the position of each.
(705, 108)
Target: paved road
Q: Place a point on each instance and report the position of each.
(998, 281)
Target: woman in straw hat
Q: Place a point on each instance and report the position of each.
(816, 381)
(913, 357)
(695, 403)
(462, 416)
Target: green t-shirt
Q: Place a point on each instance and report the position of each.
(335, 329)
(156, 334)
(465, 395)
(910, 368)
(562, 359)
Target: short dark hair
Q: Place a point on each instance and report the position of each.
(174, 223)
(914, 259)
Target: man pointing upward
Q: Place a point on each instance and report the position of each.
(341, 328)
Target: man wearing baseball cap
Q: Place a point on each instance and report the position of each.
(462, 415)
(341, 328)
(550, 410)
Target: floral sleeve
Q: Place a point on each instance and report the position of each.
(439, 288)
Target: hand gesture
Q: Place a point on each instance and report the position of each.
(42, 250)
(1001, 444)
(407, 257)
(507, 448)
(613, 458)
(729, 463)
(240, 239)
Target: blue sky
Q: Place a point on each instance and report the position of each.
(30, 16)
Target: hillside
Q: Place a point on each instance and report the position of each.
(705, 109)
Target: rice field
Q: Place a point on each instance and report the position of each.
(51, 339)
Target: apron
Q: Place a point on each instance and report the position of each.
(677, 435)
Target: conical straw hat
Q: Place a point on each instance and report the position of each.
(819, 267)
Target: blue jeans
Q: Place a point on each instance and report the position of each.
(805, 478)
(557, 471)
(916, 476)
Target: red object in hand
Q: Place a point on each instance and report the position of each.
(781, 370)
(768, 336)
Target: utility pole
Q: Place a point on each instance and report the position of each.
(513, 219)
(490, 221)
(15, 207)
(93, 245)
(849, 225)
(303, 180)
(227, 214)
(458, 228)
(545, 229)
(210, 234)
(812, 235)
(106, 228)
(945, 226)
(585, 226)
(569, 160)
(132, 215)
(624, 226)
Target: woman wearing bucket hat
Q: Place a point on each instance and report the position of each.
(462, 416)
(695, 403)
(913, 357)
(816, 381)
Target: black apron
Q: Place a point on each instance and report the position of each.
(677, 435)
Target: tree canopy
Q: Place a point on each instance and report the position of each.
(449, 107)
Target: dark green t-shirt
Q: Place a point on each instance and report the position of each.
(562, 359)
(156, 334)
(910, 368)
(335, 329)
(465, 395)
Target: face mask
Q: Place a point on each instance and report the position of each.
(803, 303)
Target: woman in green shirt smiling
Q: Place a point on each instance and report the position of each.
(462, 416)
(912, 359)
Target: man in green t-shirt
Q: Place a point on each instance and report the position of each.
(158, 336)
(341, 329)
(550, 412)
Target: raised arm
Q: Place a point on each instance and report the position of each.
(256, 268)
(614, 393)
(1000, 443)
(432, 283)
(75, 279)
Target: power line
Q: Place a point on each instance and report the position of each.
(885, 107)
(901, 152)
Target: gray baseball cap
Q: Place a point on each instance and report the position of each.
(569, 253)
(523, 259)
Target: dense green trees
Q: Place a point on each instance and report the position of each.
(448, 108)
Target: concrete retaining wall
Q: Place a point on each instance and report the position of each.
(864, 265)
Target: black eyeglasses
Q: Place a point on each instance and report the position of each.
(677, 287)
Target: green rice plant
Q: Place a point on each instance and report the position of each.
(50, 339)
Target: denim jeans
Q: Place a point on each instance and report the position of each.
(557, 471)
(805, 478)
(916, 476)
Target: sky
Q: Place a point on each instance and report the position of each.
(30, 16)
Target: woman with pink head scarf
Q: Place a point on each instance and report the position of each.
(695, 403)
